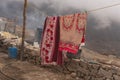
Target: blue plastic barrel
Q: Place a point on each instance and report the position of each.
(12, 52)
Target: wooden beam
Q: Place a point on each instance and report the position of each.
(23, 31)
(15, 21)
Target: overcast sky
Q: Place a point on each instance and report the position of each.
(101, 24)
(88, 4)
(102, 16)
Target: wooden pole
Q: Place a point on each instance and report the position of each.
(24, 27)
(15, 21)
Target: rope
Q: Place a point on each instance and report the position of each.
(104, 7)
(89, 11)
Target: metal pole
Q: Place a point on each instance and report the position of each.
(23, 31)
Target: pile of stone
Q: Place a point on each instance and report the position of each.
(31, 53)
(80, 70)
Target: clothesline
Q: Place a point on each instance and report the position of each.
(101, 8)
(89, 11)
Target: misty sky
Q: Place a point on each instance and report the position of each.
(106, 14)
(102, 16)
(58, 6)
(103, 24)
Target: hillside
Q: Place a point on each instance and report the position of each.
(105, 40)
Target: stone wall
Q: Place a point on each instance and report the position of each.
(85, 71)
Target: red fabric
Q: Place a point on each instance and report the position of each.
(67, 37)
(49, 44)
(60, 60)
(68, 47)
(83, 39)
(72, 29)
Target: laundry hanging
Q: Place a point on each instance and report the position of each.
(64, 33)
(50, 41)
(72, 30)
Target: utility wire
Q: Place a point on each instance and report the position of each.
(104, 7)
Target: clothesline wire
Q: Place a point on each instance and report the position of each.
(89, 11)
(101, 8)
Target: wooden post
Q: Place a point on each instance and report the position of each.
(5, 26)
(15, 21)
(23, 31)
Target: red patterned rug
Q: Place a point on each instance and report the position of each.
(72, 30)
(50, 41)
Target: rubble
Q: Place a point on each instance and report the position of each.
(31, 53)
(78, 69)
(88, 71)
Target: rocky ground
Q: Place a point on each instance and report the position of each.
(91, 66)
(26, 71)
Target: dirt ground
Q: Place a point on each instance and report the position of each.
(26, 71)
(22, 70)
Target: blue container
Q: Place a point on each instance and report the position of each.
(12, 52)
